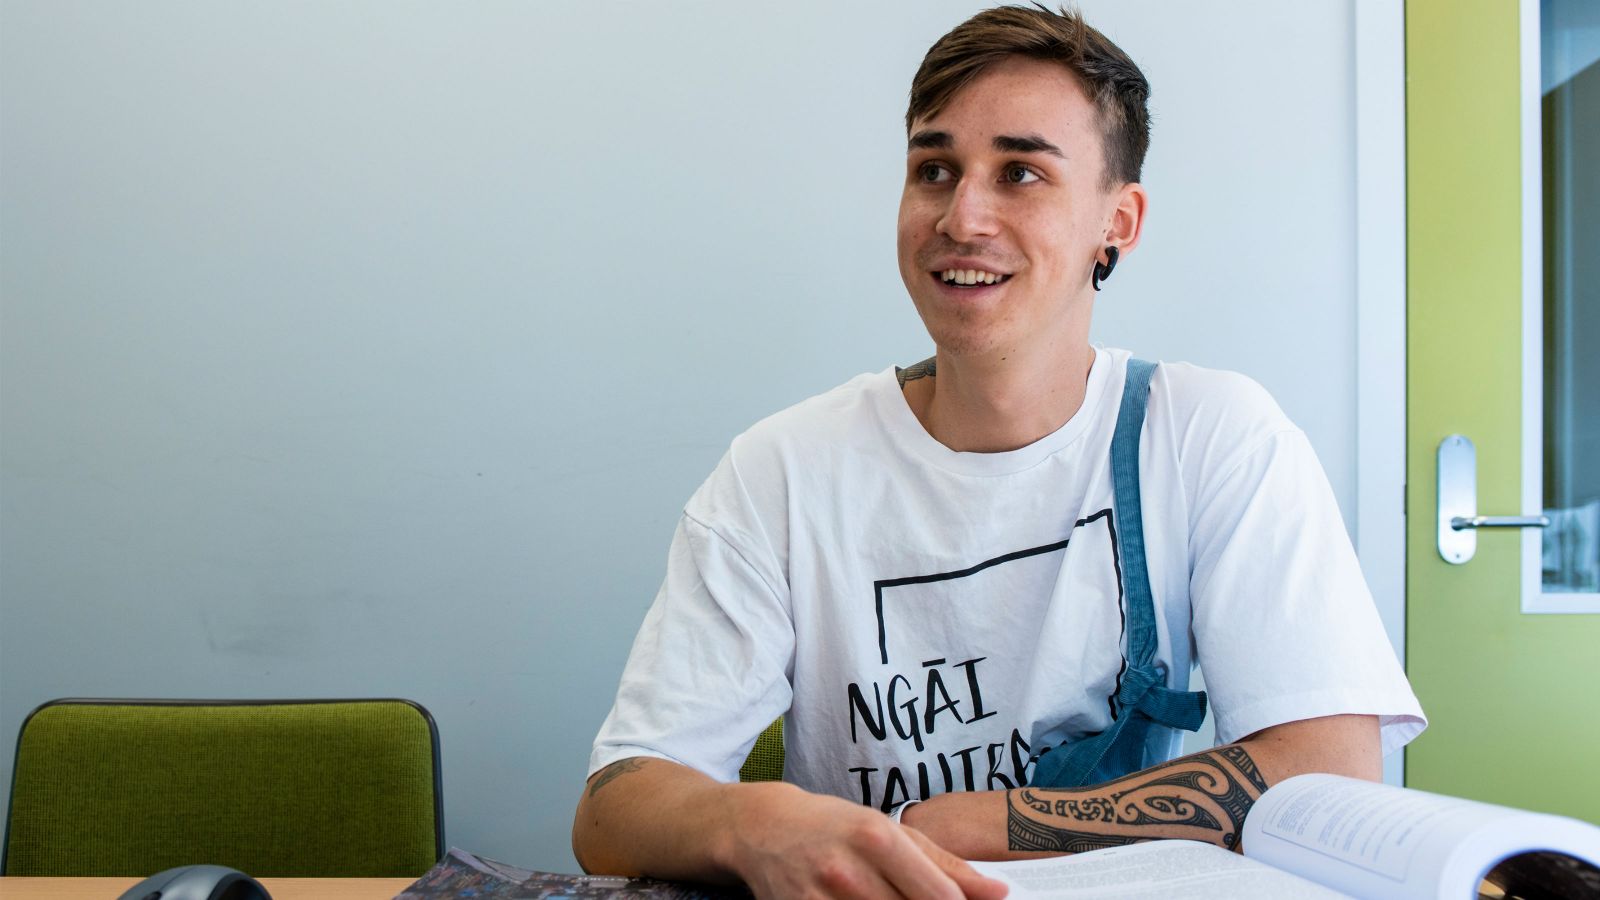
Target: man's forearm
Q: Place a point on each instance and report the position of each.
(648, 816)
(652, 817)
(1203, 797)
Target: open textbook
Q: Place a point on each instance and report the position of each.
(1318, 836)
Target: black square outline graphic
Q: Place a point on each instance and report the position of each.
(1116, 563)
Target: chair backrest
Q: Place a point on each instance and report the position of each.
(275, 788)
(765, 762)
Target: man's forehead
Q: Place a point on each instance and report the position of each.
(1018, 105)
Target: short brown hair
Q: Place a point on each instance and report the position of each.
(1113, 82)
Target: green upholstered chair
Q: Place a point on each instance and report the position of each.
(275, 788)
(765, 762)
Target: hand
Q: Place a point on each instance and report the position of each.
(793, 844)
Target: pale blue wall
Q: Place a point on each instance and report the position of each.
(371, 348)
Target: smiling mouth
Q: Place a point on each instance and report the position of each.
(970, 277)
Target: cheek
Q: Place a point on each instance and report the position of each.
(911, 228)
(1058, 239)
(912, 214)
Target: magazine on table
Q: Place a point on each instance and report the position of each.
(463, 874)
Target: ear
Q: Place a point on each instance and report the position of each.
(1127, 218)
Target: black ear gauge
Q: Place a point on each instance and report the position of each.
(1102, 270)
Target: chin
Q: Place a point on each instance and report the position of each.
(974, 327)
(958, 337)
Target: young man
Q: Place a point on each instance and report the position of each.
(939, 576)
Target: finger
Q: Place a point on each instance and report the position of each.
(972, 884)
(856, 883)
(909, 867)
(978, 887)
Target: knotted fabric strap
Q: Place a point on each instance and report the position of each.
(1142, 699)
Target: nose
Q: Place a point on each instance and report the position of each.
(969, 213)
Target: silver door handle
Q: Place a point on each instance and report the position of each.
(1458, 502)
(1460, 522)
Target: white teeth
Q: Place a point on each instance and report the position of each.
(970, 276)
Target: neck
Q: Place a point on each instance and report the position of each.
(994, 403)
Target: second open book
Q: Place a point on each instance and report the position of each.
(1327, 836)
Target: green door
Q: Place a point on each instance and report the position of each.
(1513, 697)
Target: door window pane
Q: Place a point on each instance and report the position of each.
(1570, 64)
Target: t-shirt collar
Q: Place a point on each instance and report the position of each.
(906, 430)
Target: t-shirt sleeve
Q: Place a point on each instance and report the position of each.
(1284, 625)
(711, 664)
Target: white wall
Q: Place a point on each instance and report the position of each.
(372, 348)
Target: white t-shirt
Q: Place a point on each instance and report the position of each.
(928, 620)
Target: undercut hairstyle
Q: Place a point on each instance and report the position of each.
(1111, 80)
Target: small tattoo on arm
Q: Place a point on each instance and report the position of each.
(613, 772)
(1201, 797)
(917, 370)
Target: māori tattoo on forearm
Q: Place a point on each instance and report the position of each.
(1203, 797)
(613, 772)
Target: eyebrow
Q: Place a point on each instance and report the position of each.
(1030, 143)
(1005, 143)
(930, 140)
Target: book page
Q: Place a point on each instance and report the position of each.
(1159, 870)
(1379, 841)
(1380, 831)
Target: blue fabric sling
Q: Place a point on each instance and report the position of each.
(1143, 700)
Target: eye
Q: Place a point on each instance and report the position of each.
(932, 173)
(1017, 173)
